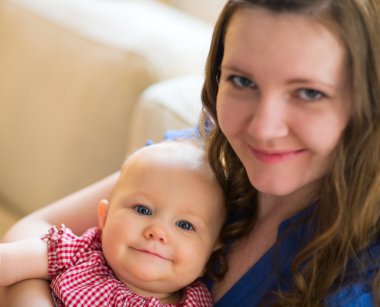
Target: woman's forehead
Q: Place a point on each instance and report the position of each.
(260, 39)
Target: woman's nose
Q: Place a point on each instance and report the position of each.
(268, 119)
(156, 232)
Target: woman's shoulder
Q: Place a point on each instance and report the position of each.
(356, 294)
(366, 264)
(361, 272)
(374, 249)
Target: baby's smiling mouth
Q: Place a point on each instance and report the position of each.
(148, 252)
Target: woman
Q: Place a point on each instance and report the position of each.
(291, 92)
(287, 88)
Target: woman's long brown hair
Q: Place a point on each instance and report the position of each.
(347, 217)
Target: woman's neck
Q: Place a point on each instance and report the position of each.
(279, 208)
(245, 252)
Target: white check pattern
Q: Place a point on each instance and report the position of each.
(80, 276)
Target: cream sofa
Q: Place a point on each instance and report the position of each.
(84, 82)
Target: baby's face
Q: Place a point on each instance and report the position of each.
(163, 221)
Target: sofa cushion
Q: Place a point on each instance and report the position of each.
(175, 43)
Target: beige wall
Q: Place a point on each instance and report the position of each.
(207, 10)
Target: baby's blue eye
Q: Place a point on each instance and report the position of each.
(184, 225)
(140, 209)
(310, 94)
(241, 82)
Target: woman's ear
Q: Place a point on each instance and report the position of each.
(102, 212)
(218, 245)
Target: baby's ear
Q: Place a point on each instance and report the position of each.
(102, 212)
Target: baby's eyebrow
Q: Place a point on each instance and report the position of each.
(195, 217)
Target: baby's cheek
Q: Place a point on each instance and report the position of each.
(198, 254)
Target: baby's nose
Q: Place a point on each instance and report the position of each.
(155, 232)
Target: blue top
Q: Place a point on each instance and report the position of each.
(272, 272)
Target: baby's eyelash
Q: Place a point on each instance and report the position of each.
(185, 225)
(142, 210)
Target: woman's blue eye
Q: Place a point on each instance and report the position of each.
(140, 209)
(310, 94)
(241, 82)
(184, 225)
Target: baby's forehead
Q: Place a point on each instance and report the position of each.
(171, 152)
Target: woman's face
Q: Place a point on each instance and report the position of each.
(283, 99)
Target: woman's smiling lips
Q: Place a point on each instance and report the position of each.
(273, 157)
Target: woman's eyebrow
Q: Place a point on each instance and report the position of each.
(230, 67)
(324, 83)
(235, 69)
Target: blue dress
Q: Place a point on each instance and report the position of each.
(272, 272)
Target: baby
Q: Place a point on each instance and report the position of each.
(155, 236)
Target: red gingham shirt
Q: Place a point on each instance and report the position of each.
(80, 276)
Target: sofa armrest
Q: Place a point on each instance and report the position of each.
(166, 105)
